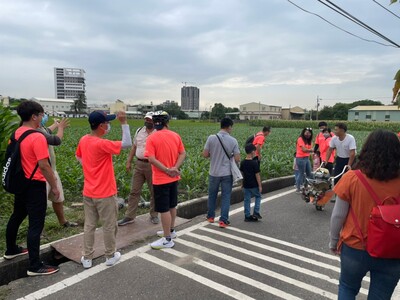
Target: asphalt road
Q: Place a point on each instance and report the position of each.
(283, 256)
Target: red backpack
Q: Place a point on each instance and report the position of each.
(383, 237)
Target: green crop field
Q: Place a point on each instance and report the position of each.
(277, 161)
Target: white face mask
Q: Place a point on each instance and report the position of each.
(108, 128)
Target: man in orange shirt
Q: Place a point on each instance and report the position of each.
(320, 137)
(166, 153)
(99, 187)
(259, 140)
(32, 201)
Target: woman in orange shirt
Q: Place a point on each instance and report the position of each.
(324, 146)
(379, 163)
(303, 151)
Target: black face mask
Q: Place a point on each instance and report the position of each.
(149, 125)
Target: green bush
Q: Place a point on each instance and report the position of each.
(8, 123)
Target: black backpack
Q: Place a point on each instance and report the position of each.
(250, 139)
(13, 177)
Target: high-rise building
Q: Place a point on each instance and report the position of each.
(190, 98)
(69, 83)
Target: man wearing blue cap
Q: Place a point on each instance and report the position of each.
(100, 188)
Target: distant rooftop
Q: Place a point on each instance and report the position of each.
(375, 107)
(52, 100)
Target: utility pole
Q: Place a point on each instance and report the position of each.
(318, 99)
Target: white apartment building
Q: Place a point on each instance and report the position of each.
(259, 111)
(69, 83)
(55, 107)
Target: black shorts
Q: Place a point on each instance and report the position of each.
(165, 196)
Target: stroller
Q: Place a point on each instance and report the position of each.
(318, 190)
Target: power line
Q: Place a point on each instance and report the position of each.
(347, 15)
(386, 9)
(348, 32)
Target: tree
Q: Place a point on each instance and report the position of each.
(8, 124)
(326, 113)
(218, 111)
(79, 104)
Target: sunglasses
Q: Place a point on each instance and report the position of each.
(309, 128)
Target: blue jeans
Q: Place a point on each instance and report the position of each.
(296, 175)
(354, 265)
(226, 190)
(248, 193)
(304, 166)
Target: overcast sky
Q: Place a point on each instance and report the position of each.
(235, 51)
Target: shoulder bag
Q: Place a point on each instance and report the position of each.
(236, 174)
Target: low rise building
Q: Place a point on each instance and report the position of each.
(259, 111)
(55, 107)
(293, 113)
(381, 113)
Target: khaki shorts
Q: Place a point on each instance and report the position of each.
(50, 195)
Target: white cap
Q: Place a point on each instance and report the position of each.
(149, 115)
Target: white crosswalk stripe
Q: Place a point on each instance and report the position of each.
(192, 242)
(223, 289)
(259, 269)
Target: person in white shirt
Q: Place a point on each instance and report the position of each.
(345, 145)
(141, 174)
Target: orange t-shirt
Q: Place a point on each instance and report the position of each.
(299, 150)
(323, 148)
(351, 190)
(96, 155)
(259, 139)
(33, 148)
(165, 145)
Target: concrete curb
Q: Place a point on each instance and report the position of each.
(192, 208)
(11, 270)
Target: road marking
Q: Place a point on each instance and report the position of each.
(203, 280)
(68, 282)
(234, 275)
(272, 249)
(270, 198)
(271, 239)
(269, 259)
(94, 270)
(259, 269)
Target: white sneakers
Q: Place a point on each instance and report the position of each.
(113, 260)
(162, 243)
(86, 263)
(173, 234)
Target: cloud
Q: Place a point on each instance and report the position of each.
(233, 51)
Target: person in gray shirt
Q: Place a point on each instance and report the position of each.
(220, 170)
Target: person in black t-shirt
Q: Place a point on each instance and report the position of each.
(251, 184)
